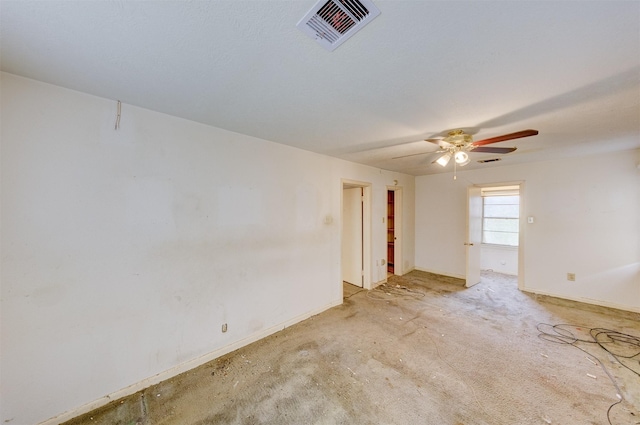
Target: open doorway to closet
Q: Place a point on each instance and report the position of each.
(391, 236)
(394, 226)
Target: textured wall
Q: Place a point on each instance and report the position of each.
(124, 252)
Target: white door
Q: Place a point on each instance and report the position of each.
(352, 236)
(474, 234)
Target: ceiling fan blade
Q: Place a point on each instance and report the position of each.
(436, 141)
(490, 149)
(413, 154)
(440, 142)
(516, 135)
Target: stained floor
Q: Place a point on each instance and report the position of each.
(420, 350)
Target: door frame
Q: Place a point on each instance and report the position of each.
(521, 228)
(473, 235)
(366, 227)
(352, 236)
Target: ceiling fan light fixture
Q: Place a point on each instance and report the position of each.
(462, 158)
(444, 159)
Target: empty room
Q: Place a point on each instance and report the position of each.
(333, 212)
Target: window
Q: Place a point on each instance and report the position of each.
(500, 216)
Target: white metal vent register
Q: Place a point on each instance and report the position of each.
(332, 22)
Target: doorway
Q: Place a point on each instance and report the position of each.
(495, 231)
(394, 231)
(356, 233)
(352, 233)
(391, 237)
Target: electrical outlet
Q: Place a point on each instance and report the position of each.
(571, 277)
(224, 327)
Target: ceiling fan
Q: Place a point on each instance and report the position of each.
(457, 144)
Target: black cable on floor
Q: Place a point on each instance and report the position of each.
(617, 344)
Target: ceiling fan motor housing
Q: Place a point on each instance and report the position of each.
(458, 138)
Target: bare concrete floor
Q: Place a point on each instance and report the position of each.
(433, 353)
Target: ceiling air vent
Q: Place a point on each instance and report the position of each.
(483, 161)
(332, 22)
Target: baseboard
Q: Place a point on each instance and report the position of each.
(376, 284)
(386, 279)
(183, 367)
(408, 271)
(457, 276)
(590, 301)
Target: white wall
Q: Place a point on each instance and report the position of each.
(123, 252)
(501, 259)
(587, 222)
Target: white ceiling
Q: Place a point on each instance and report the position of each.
(568, 69)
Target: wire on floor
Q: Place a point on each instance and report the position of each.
(622, 347)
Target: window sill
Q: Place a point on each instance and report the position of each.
(505, 247)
